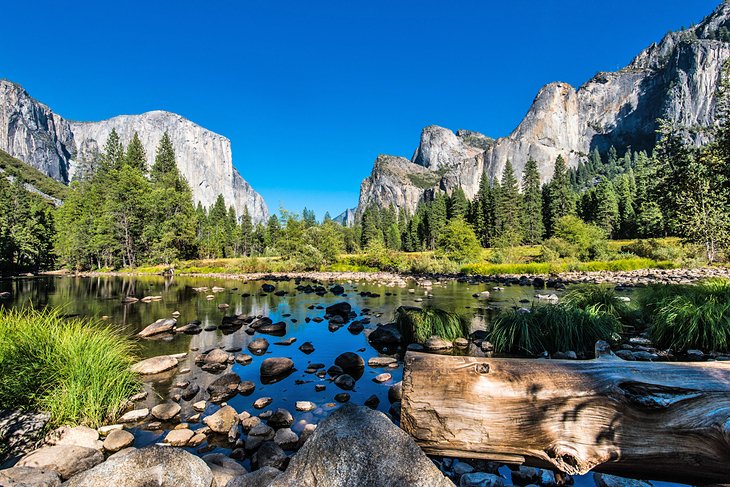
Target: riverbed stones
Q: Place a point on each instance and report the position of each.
(385, 336)
(78, 435)
(154, 465)
(350, 362)
(277, 329)
(305, 406)
(436, 343)
(29, 476)
(262, 402)
(345, 381)
(395, 393)
(223, 468)
(118, 440)
(605, 480)
(327, 456)
(258, 346)
(270, 454)
(222, 420)
(66, 460)
(276, 367)
(134, 415)
(244, 359)
(155, 365)
(342, 310)
(166, 411)
(179, 437)
(224, 387)
(217, 356)
(281, 418)
(259, 478)
(286, 439)
(481, 479)
(246, 388)
(381, 361)
(306, 348)
(384, 377)
(163, 325)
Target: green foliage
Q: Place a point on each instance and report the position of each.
(424, 181)
(589, 240)
(77, 370)
(10, 166)
(551, 328)
(689, 317)
(602, 299)
(655, 249)
(532, 223)
(458, 241)
(417, 325)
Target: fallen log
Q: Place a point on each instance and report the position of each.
(663, 421)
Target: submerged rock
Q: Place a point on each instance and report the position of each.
(155, 365)
(276, 367)
(339, 454)
(224, 387)
(164, 325)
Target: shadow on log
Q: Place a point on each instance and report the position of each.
(664, 421)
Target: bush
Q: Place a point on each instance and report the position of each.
(551, 328)
(689, 317)
(458, 242)
(556, 248)
(76, 370)
(601, 299)
(589, 240)
(417, 324)
(654, 249)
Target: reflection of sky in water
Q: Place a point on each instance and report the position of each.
(102, 297)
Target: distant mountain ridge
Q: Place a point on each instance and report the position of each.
(675, 79)
(33, 133)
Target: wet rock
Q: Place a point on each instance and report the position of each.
(345, 381)
(372, 402)
(224, 387)
(144, 467)
(342, 310)
(270, 454)
(278, 328)
(395, 393)
(381, 361)
(118, 440)
(384, 377)
(268, 288)
(246, 388)
(342, 397)
(305, 406)
(166, 411)
(461, 343)
(335, 370)
(134, 415)
(164, 325)
(259, 478)
(385, 336)
(306, 348)
(224, 469)
(569, 355)
(337, 289)
(217, 356)
(248, 423)
(222, 420)
(179, 437)
(481, 479)
(29, 476)
(605, 480)
(356, 327)
(281, 419)
(276, 367)
(66, 460)
(190, 392)
(436, 343)
(286, 439)
(350, 363)
(262, 402)
(244, 359)
(258, 346)
(327, 456)
(155, 365)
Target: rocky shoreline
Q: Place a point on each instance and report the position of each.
(636, 278)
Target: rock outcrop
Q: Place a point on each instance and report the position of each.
(675, 79)
(33, 133)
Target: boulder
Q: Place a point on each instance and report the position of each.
(78, 435)
(222, 420)
(342, 309)
(164, 325)
(270, 454)
(166, 411)
(385, 336)
(307, 347)
(29, 476)
(605, 480)
(481, 479)
(118, 440)
(224, 387)
(154, 465)
(281, 418)
(224, 468)
(217, 356)
(277, 329)
(350, 362)
(437, 343)
(155, 365)
(347, 449)
(345, 381)
(134, 415)
(67, 460)
(286, 439)
(179, 437)
(276, 367)
(20, 432)
(260, 478)
(258, 346)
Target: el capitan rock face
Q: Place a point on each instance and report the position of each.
(36, 135)
(675, 79)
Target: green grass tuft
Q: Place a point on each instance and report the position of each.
(602, 299)
(417, 325)
(76, 370)
(552, 328)
(689, 317)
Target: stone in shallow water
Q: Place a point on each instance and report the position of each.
(166, 411)
(286, 439)
(164, 325)
(224, 468)
(222, 420)
(270, 454)
(179, 437)
(481, 479)
(605, 480)
(381, 361)
(134, 415)
(155, 365)
(281, 418)
(345, 382)
(384, 377)
(224, 387)
(118, 440)
(275, 367)
(305, 406)
(437, 343)
(259, 478)
(350, 362)
(262, 402)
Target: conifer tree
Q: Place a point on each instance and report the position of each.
(532, 204)
(164, 165)
(112, 156)
(135, 156)
(560, 198)
(508, 209)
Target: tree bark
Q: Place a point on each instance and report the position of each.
(663, 421)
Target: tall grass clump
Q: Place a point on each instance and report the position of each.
(77, 370)
(690, 317)
(417, 325)
(601, 299)
(551, 328)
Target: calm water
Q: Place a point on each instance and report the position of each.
(101, 297)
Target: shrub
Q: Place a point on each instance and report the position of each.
(556, 248)
(589, 240)
(687, 317)
(551, 328)
(654, 249)
(417, 324)
(458, 241)
(77, 370)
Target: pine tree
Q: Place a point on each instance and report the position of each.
(532, 204)
(607, 213)
(164, 165)
(560, 197)
(508, 210)
(136, 156)
(246, 232)
(436, 219)
(113, 155)
(457, 204)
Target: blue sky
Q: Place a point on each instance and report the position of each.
(311, 92)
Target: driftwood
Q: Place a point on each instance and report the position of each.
(664, 421)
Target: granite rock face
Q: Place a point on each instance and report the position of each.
(36, 135)
(675, 79)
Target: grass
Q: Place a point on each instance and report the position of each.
(76, 370)
(532, 268)
(601, 299)
(30, 175)
(689, 317)
(417, 325)
(552, 328)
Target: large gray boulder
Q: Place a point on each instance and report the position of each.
(359, 446)
(151, 466)
(67, 460)
(260, 478)
(29, 476)
(20, 432)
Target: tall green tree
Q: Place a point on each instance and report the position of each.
(532, 204)
(136, 156)
(508, 210)
(560, 197)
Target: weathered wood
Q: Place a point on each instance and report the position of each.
(664, 421)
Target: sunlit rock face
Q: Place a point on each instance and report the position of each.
(62, 149)
(675, 79)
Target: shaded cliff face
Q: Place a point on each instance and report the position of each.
(34, 134)
(676, 79)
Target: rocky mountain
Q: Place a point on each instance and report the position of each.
(675, 79)
(346, 218)
(33, 133)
